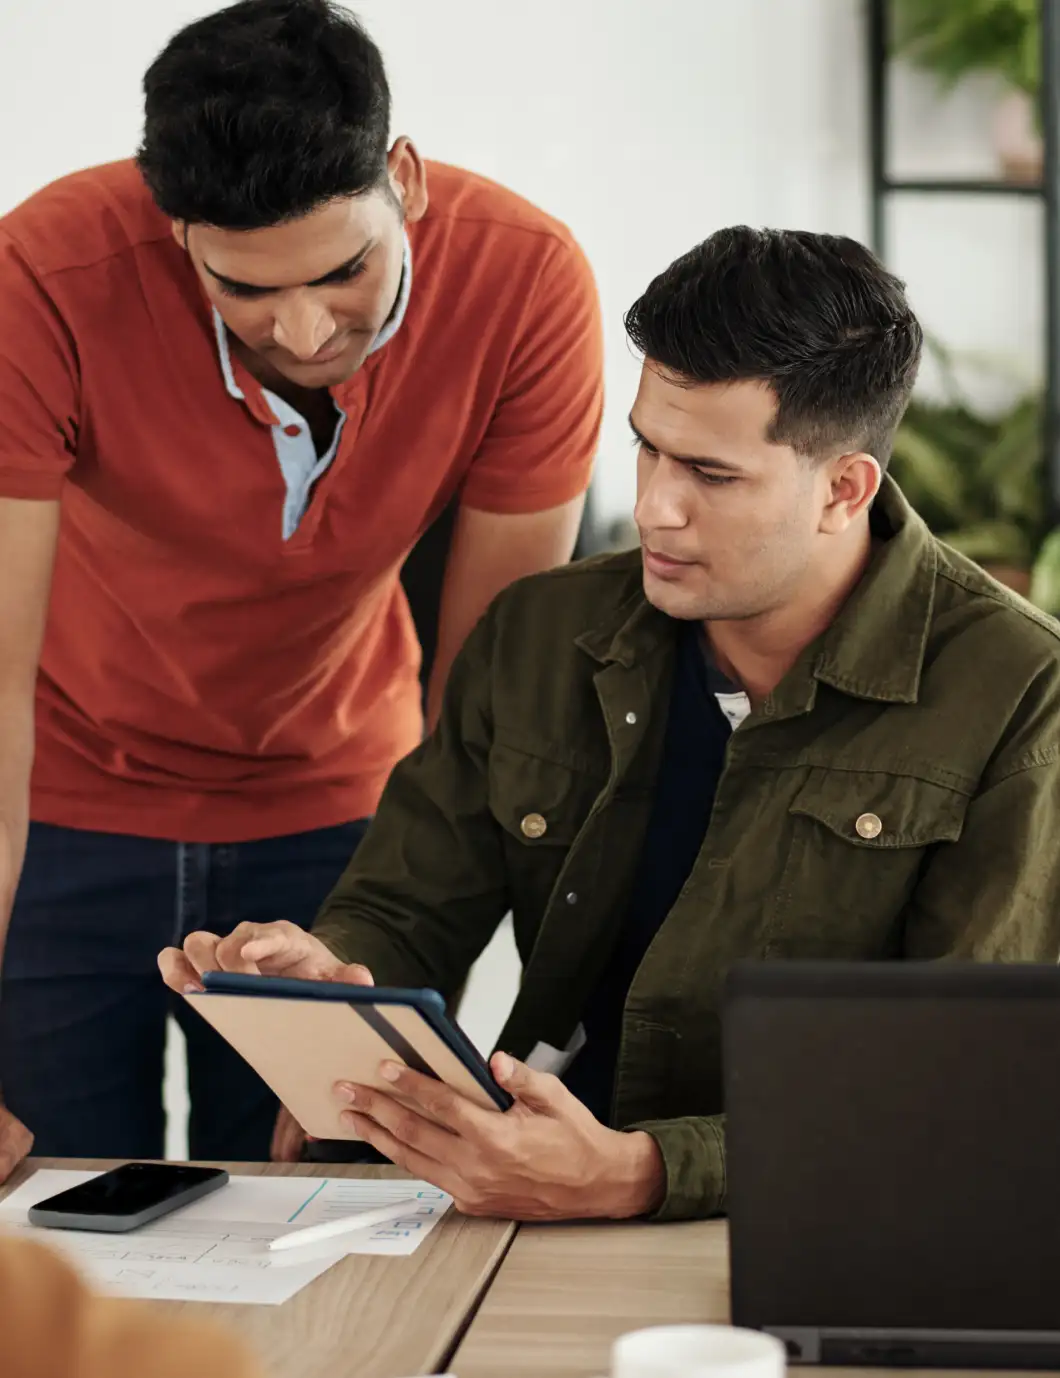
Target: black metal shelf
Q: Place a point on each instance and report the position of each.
(883, 185)
(959, 187)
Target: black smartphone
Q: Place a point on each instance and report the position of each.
(127, 1197)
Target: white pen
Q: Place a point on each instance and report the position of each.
(346, 1224)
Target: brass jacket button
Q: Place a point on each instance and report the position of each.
(868, 826)
(533, 825)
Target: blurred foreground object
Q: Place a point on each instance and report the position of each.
(52, 1326)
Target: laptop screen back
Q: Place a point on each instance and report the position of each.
(894, 1146)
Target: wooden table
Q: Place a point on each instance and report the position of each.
(552, 1302)
(375, 1317)
(565, 1292)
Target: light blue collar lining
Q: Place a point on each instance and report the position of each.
(292, 440)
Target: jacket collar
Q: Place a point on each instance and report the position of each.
(875, 647)
(873, 650)
(631, 628)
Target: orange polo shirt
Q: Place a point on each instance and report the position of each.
(205, 676)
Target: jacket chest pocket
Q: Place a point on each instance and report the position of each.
(541, 807)
(859, 840)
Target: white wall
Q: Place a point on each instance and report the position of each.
(645, 124)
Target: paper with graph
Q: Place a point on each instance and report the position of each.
(217, 1249)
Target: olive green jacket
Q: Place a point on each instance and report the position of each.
(897, 795)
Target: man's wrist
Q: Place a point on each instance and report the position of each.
(637, 1179)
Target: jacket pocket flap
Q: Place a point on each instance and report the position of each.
(538, 801)
(877, 810)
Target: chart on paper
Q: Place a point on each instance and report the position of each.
(217, 1249)
(338, 1197)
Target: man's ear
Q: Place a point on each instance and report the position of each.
(854, 482)
(408, 178)
(179, 230)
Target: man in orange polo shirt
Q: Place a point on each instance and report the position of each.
(251, 368)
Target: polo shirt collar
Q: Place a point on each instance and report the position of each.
(386, 334)
(397, 316)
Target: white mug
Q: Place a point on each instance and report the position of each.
(697, 1351)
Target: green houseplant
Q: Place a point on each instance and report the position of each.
(954, 38)
(980, 484)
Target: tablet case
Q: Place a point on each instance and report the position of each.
(300, 1047)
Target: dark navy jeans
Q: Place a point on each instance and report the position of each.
(83, 1008)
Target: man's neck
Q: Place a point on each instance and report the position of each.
(263, 372)
(759, 651)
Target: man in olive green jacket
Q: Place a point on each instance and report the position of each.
(793, 724)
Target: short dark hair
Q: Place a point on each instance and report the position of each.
(816, 316)
(263, 112)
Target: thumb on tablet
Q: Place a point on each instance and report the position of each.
(355, 975)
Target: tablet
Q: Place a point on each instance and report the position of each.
(301, 1037)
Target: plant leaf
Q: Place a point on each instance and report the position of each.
(955, 37)
(1013, 467)
(1045, 576)
(931, 477)
(992, 543)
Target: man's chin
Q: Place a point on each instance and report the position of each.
(331, 374)
(682, 604)
(674, 602)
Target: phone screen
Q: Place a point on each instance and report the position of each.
(128, 1190)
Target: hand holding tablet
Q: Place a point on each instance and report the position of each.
(302, 1037)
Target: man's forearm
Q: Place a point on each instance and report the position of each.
(353, 937)
(487, 552)
(16, 760)
(13, 832)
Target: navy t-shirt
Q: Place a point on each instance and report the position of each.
(697, 732)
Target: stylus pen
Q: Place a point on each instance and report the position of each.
(363, 1220)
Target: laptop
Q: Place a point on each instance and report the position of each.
(893, 1148)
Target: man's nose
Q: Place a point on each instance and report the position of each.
(659, 504)
(302, 326)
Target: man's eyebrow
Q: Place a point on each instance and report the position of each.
(341, 271)
(700, 461)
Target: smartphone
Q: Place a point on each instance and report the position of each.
(127, 1197)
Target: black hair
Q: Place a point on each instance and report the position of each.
(815, 316)
(263, 112)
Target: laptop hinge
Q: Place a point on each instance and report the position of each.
(1025, 1349)
(803, 1345)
